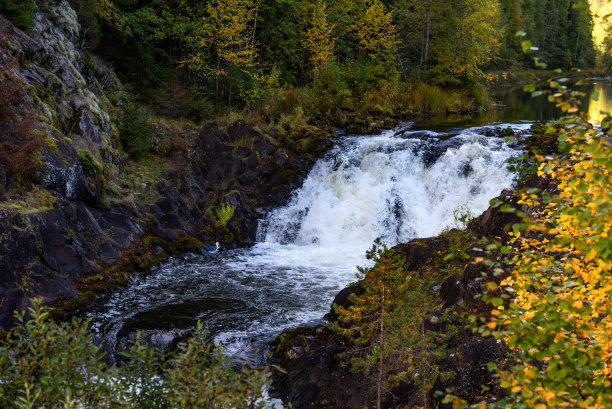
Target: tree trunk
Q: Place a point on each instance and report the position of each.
(424, 366)
(382, 341)
(427, 39)
(229, 96)
(217, 84)
(254, 29)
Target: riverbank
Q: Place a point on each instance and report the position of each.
(435, 297)
(520, 75)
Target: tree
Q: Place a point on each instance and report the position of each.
(387, 325)
(469, 42)
(449, 40)
(378, 37)
(19, 11)
(319, 40)
(228, 31)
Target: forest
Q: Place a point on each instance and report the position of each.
(203, 58)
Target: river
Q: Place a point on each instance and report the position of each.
(400, 184)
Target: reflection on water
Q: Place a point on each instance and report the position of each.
(513, 105)
(600, 103)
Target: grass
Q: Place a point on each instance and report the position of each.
(34, 201)
(140, 175)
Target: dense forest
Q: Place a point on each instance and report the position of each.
(198, 58)
(233, 53)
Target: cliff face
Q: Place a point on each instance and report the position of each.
(61, 90)
(91, 217)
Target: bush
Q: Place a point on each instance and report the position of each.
(19, 12)
(134, 131)
(330, 87)
(55, 365)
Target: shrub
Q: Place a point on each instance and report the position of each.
(48, 364)
(134, 131)
(19, 12)
(224, 214)
(330, 87)
(173, 144)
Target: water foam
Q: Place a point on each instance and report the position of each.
(396, 187)
(390, 187)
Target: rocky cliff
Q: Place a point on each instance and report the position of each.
(90, 217)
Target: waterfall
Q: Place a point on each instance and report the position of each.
(396, 187)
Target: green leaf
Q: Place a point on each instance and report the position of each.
(497, 301)
(526, 45)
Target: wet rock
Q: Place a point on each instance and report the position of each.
(63, 173)
(343, 299)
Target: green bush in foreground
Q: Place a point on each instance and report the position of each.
(45, 364)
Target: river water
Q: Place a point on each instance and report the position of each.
(397, 185)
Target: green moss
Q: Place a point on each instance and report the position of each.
(87, 160)
(51, 143)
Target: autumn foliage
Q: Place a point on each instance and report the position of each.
(19, 143)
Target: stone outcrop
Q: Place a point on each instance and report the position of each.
(63, 89)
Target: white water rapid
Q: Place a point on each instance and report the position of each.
(396, 186)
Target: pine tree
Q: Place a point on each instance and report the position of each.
(387, 325)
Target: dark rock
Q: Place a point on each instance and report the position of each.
(2, 177)
(419, 251)
(13, 300)
(62, 172)
(452, 290)
(343, 299)
(32, 76)
(315, 376)
(279, 157)
(494, 222)
(211, 144)
(2, 182)
(88, 128)
(469, 363)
